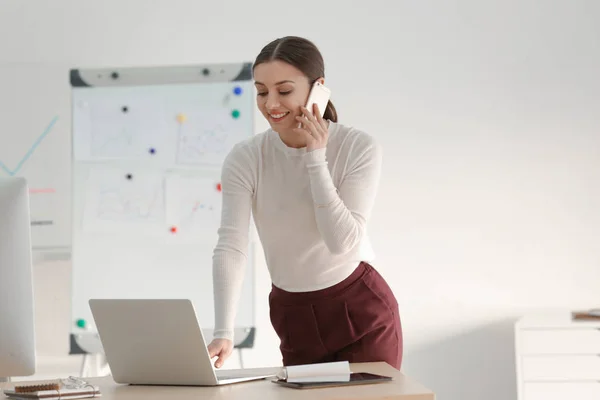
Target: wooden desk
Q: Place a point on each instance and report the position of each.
(401, 388)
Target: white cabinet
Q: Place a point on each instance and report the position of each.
(557, 358)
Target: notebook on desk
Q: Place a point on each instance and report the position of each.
(159, 342)
(586, 315)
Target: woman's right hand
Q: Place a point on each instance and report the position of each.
(221, 348)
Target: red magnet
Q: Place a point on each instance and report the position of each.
(219, 187)
(173, 229)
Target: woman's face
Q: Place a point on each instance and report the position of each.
(281, 90)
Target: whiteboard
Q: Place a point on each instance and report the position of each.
(35, 144)
(148, 145)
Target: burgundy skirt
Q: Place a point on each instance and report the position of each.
(356, 320)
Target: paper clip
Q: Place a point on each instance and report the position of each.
(77, 383)
(74, 383)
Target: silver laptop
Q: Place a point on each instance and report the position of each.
(159, 342)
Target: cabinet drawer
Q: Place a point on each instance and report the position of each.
(561, 368)
(561, 391)
(560, 341)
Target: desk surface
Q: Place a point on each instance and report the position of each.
(401, 388)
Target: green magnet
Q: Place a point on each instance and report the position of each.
(235, 113)
(81, 323)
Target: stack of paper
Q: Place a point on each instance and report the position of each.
(322, 372)
(62, 393)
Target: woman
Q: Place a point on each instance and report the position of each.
(311, 188)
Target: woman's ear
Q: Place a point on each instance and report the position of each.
(321, 80)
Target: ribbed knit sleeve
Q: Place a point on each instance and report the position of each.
(342, 213)
(231, 252)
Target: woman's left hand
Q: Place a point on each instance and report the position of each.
(314, 128)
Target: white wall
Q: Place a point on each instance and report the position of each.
(488, 112)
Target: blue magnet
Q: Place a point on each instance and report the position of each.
(237, 90)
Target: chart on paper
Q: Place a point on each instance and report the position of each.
(193, 207)
(133, 128)
(123, 199)
(205, 136)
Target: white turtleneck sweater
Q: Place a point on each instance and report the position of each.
(310, 210)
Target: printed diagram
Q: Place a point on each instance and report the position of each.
(117, 142)
(193, 206)
(117, 199)
(204, 137)
(125, 130)
(124, 204)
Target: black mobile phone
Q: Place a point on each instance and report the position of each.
(356, 378)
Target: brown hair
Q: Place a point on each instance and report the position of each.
(302, 54)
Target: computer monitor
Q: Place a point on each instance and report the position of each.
(17, 337)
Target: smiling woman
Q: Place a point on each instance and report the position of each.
(284, 72)
(310, 184)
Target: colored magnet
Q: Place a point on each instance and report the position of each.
(219, 188)
(237, 90)
(235, 114)
(173, 229)
(125, 109)
(129, 176)
(181, 118)
(81, 323)
(152, 151)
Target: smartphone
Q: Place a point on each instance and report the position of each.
(356, 378)
(320, 95)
